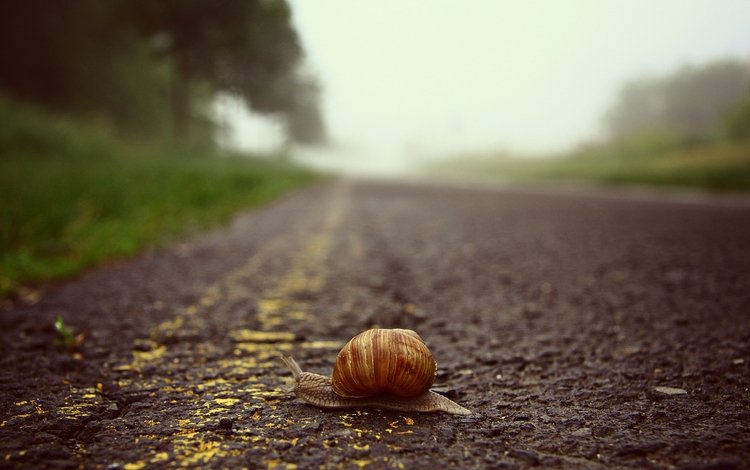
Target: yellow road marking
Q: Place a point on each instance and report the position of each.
(216, 381)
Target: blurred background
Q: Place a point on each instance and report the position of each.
(129, 123)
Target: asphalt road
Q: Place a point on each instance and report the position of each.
(584, 329)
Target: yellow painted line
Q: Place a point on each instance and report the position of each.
(226, 401)
(307, 271)
(160, 457)
(322, 345)
(135, 465)
(262, 336)
(253, 349)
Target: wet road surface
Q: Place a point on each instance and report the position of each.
(583, 329)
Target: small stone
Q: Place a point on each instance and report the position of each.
(671, 390)
(310, 429)
(739, 361)
(111, 411)
(225, 423)
(583, 432)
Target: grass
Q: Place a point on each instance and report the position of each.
(72, 197)
(707, 165)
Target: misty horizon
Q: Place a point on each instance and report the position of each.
(407, 83)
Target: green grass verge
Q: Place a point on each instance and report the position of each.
(711, 165)
(71, 197)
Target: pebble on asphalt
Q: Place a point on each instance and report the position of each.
(671, 390)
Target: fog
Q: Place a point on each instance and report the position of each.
(405, 82)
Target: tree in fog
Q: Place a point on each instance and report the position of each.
(690, 103)
(737, 121)
(244, 47)
(130, 60)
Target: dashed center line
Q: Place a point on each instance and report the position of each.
(224, 385)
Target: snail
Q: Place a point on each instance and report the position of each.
(380, 368)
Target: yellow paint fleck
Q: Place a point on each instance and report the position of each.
(276, 464)
(322, 345)
(361, 446)
(262, 336)
(270, 305)
(362, 463)
(297, 315)
(134, 465)
(226, 401)
(141, 358)
(206, 450)
(160, 457)
(35, 404)
(212, 383)
(240, 366)
(409, 421)
(269, 348)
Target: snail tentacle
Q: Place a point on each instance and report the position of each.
(317, 390)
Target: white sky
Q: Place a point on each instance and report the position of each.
(403, 80)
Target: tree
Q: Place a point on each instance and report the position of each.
(737, 121)
(638, 109)
(304, 122)
(127, 61)
(689, 103)
(244, 47)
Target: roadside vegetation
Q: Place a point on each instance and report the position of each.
(108, 127)
(714, 166)
(71, 196)
(688, 129)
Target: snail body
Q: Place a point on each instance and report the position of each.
(379, 368)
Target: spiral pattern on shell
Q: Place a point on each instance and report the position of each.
(393, 361)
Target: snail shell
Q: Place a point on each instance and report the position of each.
(376, 361)
(387, 369)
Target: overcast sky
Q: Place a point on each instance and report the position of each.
(403, 80)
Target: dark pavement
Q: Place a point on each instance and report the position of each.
(583, 328)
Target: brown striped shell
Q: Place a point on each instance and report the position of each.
(377, 361)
